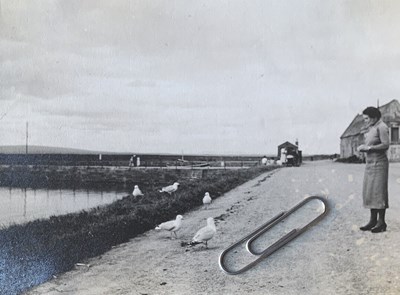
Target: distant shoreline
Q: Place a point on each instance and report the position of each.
(37, 149)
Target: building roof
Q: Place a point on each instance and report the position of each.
(287, 143)
(355, 127)
(390, 113)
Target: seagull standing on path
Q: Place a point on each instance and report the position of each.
(172, 226)
(207, 200)
(205, 233)
(137, 192)
(170, 189)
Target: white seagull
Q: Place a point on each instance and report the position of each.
(207, 200)
(170, 189)
(205, 233)
(137, 192)
(172, 226)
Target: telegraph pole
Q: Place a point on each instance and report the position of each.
(26, 144)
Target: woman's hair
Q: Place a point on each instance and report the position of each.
(372, 112)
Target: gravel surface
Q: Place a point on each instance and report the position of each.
(332, 257)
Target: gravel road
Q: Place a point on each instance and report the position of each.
(332, 257)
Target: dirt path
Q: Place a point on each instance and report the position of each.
(333, 257)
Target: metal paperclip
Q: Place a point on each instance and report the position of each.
(250, 238)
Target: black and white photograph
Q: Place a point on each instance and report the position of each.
(199, 147)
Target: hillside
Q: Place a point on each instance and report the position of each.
(32, 149)
(35, 149)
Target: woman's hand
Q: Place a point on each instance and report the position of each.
(363, 148)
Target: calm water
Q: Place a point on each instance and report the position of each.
(19, 205)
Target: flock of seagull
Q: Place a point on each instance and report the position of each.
(202, 236)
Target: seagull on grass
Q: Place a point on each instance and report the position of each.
(207, 200)
(170, 189)
(205, 233)
(137, 192)
(172, 226)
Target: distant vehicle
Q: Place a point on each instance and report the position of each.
(292, 159)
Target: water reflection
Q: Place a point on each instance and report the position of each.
(19, 205)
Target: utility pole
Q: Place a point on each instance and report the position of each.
(26, 145)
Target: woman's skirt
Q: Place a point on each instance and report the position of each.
(375, 185)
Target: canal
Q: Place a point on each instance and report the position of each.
(19, 205)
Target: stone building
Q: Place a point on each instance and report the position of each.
(291, 149)
(353, 136)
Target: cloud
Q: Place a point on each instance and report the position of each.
(227, 76)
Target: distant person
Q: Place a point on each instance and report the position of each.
(132, 161)
(375, 185)
(137, 161)
(264, 160)
(283, 155)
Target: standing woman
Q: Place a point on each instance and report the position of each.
(375, 185)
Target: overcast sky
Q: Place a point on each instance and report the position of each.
(195, 76)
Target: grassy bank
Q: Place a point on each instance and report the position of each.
(32, 253)
(86, 177)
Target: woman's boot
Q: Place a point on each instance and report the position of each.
(372, 221)
(381, 225)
